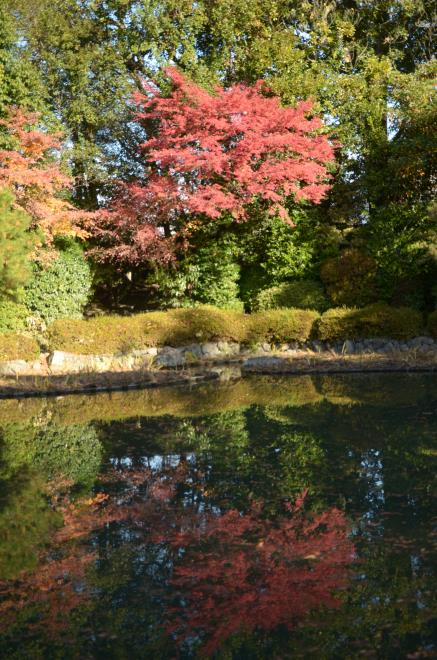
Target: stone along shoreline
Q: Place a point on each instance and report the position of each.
(59, 371)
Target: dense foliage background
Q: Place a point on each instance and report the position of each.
(366, 66)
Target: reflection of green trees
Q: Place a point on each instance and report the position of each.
(232, 458)
(72, 453)
(339, 444)
(31, 456)
(26, 522)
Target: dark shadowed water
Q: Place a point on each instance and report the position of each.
(266, 518)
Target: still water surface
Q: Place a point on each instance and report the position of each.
(266, 518)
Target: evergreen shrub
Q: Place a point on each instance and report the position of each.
(350, 278)
(13, 315)
(14, 346)
(210, 276)
(62, 288)
(378, 320)
(218, 275)
(302, 294)
(281, 325)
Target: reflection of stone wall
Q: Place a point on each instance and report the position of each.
(167, 357)
(209, 398)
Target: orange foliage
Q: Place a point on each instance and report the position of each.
(32, 171)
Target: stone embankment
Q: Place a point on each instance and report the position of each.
(419, 352)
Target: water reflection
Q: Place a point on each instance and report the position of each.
(294, 518)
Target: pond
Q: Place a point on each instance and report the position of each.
(291, 517)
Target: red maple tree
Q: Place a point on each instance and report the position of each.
(213, 153)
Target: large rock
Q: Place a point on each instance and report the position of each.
(420, 341)
(170, 357)
(210, 350)
(267, 362)
(348, 346)
(14, 367)
(63, 362)
(152, 351)
(192, 352)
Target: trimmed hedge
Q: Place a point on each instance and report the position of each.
(178, 327)
(377, 320)
(432, 323)
(280, 325)
(14, 346)
(303, 294)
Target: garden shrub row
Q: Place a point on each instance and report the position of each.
(180, 327)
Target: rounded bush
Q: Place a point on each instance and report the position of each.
(13, 316)
(62, 288)
(376, 320)
(281, 325)
(301, 294)
(206, 323)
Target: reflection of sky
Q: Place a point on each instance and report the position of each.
(371, 473)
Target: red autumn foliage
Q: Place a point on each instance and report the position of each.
(253, 573)
(32, 171)
(237, 572)
(214, 153)
(52, 587)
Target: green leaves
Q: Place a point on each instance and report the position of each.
(16, 244)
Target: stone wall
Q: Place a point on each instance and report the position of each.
(167, 357)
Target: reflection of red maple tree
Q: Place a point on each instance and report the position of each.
(58, 585)
(237, 571)
(249, 572)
